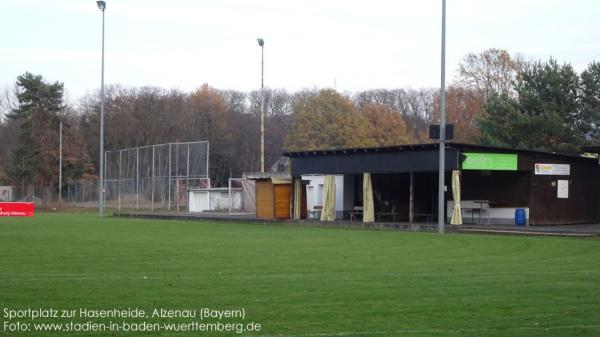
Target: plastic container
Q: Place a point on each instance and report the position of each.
(520, 218)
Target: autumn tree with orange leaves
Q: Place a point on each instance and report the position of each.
(385, 125)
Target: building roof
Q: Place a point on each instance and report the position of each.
(433, 146)
(268, 175)
(591, 149)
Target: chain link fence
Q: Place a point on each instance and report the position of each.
(242, 196)
(155, 177)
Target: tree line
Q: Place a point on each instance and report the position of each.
(495, 99)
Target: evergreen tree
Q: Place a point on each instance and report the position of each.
(590, 101)
(545, 115)
(35, 157)
(39, 104)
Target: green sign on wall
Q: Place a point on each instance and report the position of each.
(490, 161)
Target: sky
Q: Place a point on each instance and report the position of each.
(348, 45)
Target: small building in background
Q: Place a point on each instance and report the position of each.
(275, 190)
(7, 193)
(214, 199)
(274, 195)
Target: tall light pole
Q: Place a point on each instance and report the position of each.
(102, 7)
(442, 159)
(261, 43)
(60, 159)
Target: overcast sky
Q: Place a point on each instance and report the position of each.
(354, 45)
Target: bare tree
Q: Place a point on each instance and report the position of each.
(8, 101)
(491, 71)
(415, 106)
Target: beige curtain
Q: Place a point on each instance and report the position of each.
(328, 211)
(456, 213)
(368, 205)
(297, 198)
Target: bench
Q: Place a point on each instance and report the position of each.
(481, 207)
(390, 216)
(429, 217)
(315, 212)
(358, 211)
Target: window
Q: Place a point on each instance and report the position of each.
(320, 195)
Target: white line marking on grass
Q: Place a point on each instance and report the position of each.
(74, 277)
(363, 276)
(434, 331)
(524, 272)
(84, 277)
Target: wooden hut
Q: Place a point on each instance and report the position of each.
(274, 196)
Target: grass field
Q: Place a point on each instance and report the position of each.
(299, 281)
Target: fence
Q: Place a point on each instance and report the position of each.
(81, 192)
(243, 202)
(155, 177)
(238, 198)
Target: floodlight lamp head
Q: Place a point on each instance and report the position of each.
(261, 42)
(101, 5)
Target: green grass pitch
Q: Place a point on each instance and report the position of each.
(300, 281)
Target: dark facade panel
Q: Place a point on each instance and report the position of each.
(582, 205)
(500, 188)
(373, 162)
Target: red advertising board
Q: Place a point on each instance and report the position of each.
(16, 208)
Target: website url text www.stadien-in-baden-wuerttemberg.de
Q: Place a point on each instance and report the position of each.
(127, 320)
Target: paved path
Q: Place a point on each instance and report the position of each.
(558, 230)
(591, 230)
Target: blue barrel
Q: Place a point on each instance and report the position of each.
(520, 217)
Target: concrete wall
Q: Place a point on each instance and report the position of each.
(213, 200)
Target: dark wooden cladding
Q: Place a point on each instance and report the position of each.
(501, 188)
(304, 204)
(583, 203)
(373, 162)
(525, 163)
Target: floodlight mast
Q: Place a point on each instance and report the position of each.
(102, 7)
(261, 43)
(442, 154)
(60, 160)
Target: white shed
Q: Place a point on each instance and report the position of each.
(214, 199)
(7, 193)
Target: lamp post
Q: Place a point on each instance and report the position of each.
(60, 159)
(442, 155)
(261, 43)
(102, 7)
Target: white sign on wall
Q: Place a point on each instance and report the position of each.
(553, 169)
(562, 190)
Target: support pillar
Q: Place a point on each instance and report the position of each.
(411, 200)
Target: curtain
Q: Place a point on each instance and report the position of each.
(368, 205)
(297, 198)
(328, 211)
(456, 213)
